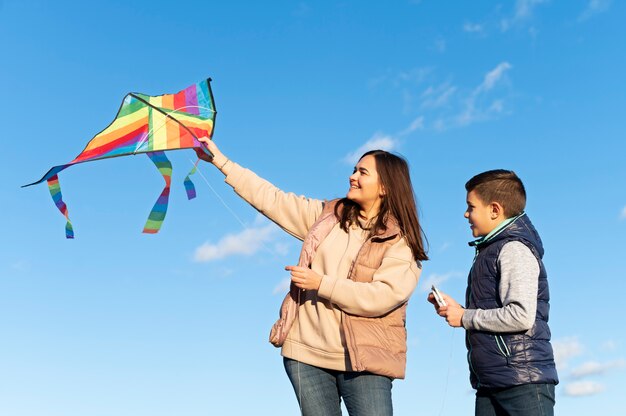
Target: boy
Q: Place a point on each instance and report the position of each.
(506, 319)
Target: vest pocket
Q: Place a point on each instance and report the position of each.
(503, 348)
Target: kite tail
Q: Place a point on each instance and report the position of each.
(55, 191)
(157, 215)
(189, 186)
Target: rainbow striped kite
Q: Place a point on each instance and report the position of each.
(150, 125)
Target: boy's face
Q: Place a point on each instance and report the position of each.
(483, 217)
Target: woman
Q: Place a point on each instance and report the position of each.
(342, 328)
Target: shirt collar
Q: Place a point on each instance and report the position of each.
(499, 228)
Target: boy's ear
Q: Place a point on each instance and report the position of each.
(496, 210)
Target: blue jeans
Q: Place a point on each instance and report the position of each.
(524, 400)
(319, 391)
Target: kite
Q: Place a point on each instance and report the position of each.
(150, 125)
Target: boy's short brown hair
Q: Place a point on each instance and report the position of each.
(501, 186)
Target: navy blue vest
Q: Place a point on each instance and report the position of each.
(508, 359)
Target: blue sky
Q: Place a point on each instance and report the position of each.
(120, 323)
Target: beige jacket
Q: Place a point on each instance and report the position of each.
(355, 321)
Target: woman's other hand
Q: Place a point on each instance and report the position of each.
(304, 278)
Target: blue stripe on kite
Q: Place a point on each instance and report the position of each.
(204, 99)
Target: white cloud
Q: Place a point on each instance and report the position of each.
(564, 349)
(497, 106)
(281, 248)
(523, 11)
(593, 8)
(434, 97)
(440, 45)
(622, 216)
(436, 279)
(583, 388)
(443, 105)
(473, 27)
(282, 287)
(302, 9)
(378, 141)
(474, 109)
(417, 124)
(609, 345)
(493, 77)
(440, 124)
(594, 367)
(414, 76)
(410, 77)
(21, 266)
(247, 242)
(445, 246)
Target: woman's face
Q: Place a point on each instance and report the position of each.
(365, 188)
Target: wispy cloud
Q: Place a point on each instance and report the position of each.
(302, 9)
(492, 77)
(622, 215)
(523, 12)
(281, 248)
(593, 368)
(282, 287)
(436, 279)
(445, 246)
(568, 348)
(415, 76)
(245, 243)
(441, 105)
(583, 388)
(565, 349)
(21, 266)
(480, 105)
(417, 124)
(440, 45)
(378, 141)
(609, 345)
(473, 28)
(435, 97)
(594, 7)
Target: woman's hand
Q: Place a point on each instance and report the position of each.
(304, 278)
(453, 312)
(218, 159)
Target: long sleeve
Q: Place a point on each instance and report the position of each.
(392, 284)
(519, 279)
(295, 214)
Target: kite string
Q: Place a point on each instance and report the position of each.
(239, 220)
(220, 198)
(445, 391)
(271, 251)
(445, 388)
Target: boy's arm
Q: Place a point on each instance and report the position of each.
(519, 280)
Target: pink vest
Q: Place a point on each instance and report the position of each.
(376, 345)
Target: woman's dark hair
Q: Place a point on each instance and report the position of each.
(398, 202)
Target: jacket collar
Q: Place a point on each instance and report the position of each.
(393, 229)
(495, 232)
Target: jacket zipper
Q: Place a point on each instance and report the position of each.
(469, 352)
(350, 341)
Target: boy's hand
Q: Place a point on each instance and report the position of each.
(453, 312)
(431, 299)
